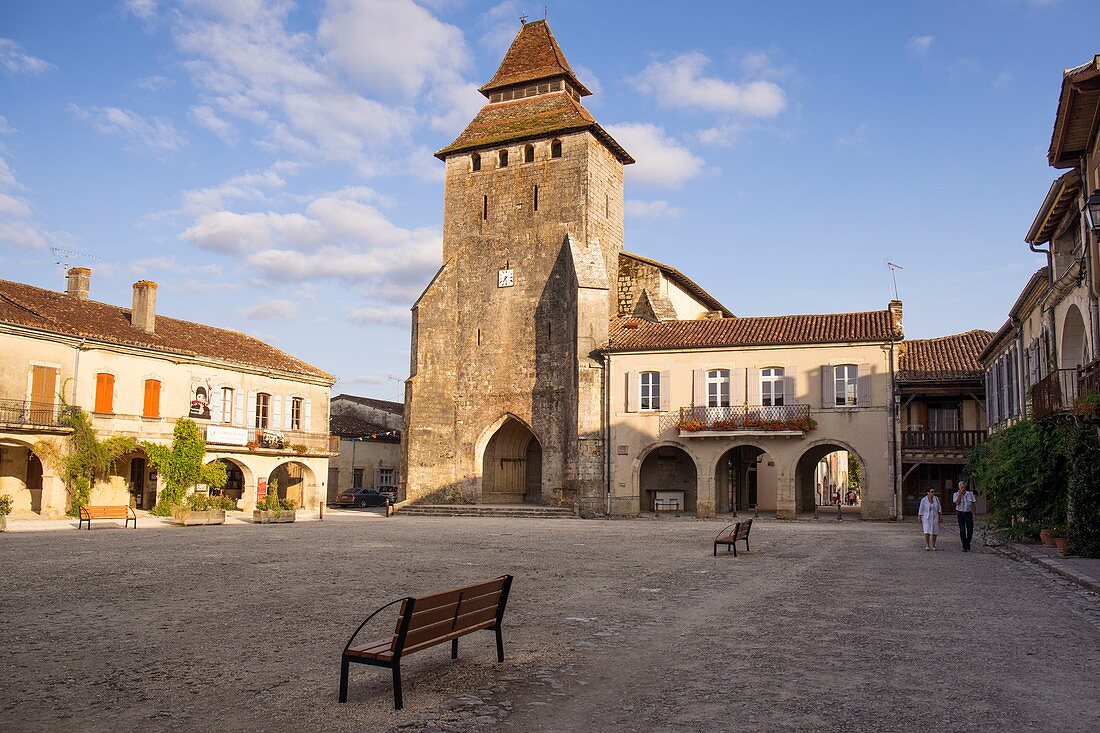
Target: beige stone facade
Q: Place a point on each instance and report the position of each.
(370, 436)
(264, 421)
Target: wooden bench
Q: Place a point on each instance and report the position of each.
(733, 534)
(88, 513)
(429, 620)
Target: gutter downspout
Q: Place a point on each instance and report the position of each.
(76, 370)
(1092, 264)
(894, 449)
(607, 429)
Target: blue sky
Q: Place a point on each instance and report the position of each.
(270, 163)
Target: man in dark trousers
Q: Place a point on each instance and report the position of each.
(964, 511)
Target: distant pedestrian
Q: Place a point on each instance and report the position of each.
(964, 511)
(930, 513)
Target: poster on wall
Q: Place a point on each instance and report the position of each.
(200, 399)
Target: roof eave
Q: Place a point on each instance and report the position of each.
(1072, 80)
(1063, 186)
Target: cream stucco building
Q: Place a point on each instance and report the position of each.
(369, 431)
(136, 372)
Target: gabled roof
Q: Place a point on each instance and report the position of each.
(350, 426)
(638, 334)
(47, 310)
(948, 358)
(532, 117)
(1061, 196)
(534, 55)
(1076, 119)
(683, 281)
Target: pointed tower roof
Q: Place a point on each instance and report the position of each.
(534, 55)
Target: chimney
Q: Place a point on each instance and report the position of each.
(77, 282)
(144, 313)
(895, 317)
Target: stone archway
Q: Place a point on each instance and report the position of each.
(807, 472)
(296, 482)
(746, 478)
(238, 478)
(21, 476)
(511, 467)
(1074, 342)
(668, 475)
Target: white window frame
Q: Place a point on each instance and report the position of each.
(386, 477)
(229, 396)
(772, 386)
(297, 412)
(846, 385)
(718, 388)
(649, 386)
(263, 409)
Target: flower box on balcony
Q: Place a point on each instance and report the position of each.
(728, 433)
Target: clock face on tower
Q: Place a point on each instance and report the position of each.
(505, 278)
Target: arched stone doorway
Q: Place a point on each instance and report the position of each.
(1074, 343)
(822, 470)
(295, 482)
(511, 469)
(21, 477)
(235, 480)
(746, 479)
(668, 477)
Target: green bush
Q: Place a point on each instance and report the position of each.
(271, 501)
(182, 466)
(5, 505)
(203, 503)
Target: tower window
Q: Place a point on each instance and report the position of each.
(475, 162)
(485, 207)
(536, 197)
(555, 149)
(502, 159)
(529, 154)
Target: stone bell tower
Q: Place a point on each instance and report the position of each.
(505, 400)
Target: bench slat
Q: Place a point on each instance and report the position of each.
(107, 512)
(407, 649)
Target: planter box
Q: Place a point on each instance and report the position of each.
(266, 517)
(190, 518)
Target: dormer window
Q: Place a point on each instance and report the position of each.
(529, 154)
(502, 159)
(555, 149)
(475, 162)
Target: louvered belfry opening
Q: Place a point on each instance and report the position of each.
(512, 466)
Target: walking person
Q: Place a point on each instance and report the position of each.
(964, 511)
(931, 514)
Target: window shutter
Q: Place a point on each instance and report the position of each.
(754, 386)
(699, 386)
(863, 386)
(216, 405)
(288, 418)
(275, 418)
(239, 417)
(250, 418)
(633, 393)
(377, 477)
(737, 386)
(307, 417)
(790, 385)
(828, 386)
(666, 389)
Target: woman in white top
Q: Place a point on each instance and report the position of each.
(930, 513)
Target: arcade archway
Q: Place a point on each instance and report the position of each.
(668, 481)
(511, 469)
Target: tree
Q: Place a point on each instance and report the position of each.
(855, 473)
(182, 466)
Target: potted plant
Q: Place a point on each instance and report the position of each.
(5, 510)
(203, 509)
(1059, 533)
(273, 510)
(1046, 536)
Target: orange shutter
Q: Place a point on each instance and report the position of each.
(152, 398)
(104, 392)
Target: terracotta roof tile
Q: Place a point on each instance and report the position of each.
(349, 426)
(533, 55)
(636, 334)
(522, 119)
(946, 358)
(47, 310)
(394, 408)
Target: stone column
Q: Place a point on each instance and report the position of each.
(785, 499)
(54, 496)
(705, 495)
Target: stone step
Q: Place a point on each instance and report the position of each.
(473, 510)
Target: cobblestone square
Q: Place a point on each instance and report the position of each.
(612, 626)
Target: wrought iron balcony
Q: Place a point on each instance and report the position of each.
(744, 419)
(265, 439)
(941, 440)
(1055, 393)
(33, 415)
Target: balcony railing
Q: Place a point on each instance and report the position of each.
(26, 414)
(779, 419)
(948, 440)
(1055, 393)
(283, 441)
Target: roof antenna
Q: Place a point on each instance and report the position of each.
(523, 19)
(62, 257)
(894, 267)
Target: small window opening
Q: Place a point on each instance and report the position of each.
(536, 197)
(475, 162)
(502, 159)
(484, 207)
(529, 154)
(479, 337)
(548, 324)
(607, 205)
(555, 149)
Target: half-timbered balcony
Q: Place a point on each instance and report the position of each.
(940, 442)
(762, 420)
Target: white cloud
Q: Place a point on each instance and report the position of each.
(725, 135)
(270, 310)
(155, 135)
(371, 379)
(500, 25)
(245, 187)
(381, 315)
(17, 61)
(154, 83)
(680, 83)
(658, 209)
(204, 116)
(920, 44)
(857, 139)
(144, 9)
(662, 161)
(13, 207)
(17, 227)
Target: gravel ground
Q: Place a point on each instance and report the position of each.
(612, 626)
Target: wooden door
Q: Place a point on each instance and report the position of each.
(43, 394)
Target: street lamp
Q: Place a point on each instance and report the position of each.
(1092, 210)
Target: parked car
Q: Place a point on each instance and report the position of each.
(390, 491)
(362, 497)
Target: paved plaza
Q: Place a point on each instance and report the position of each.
(612, 626)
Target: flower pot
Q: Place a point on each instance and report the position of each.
(263, 516)
(1060, 543)
(1047, 537)
(191, 517)
(3, 522)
